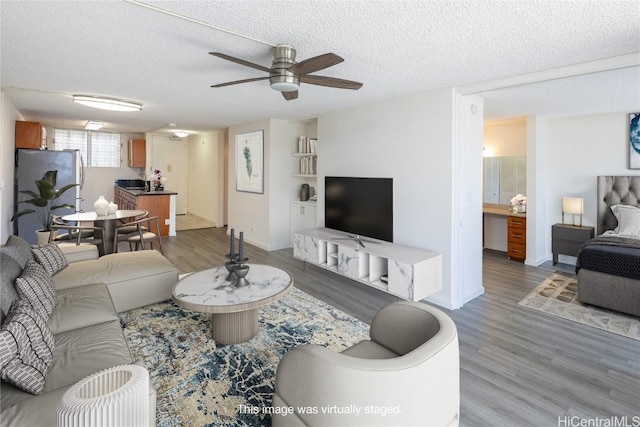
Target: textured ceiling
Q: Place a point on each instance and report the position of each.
(50, 50)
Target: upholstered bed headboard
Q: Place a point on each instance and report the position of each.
(615, 190)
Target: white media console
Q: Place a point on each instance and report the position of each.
(406, 272)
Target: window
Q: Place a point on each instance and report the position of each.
(104, 149)
(99, 149)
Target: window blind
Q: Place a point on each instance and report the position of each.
(69, 139)
(100, 149)
(105, 150)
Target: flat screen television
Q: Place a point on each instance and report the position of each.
(359, 206)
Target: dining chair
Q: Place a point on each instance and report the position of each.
(75, 235)
(141, 235)
(124, 228)
(65, 234)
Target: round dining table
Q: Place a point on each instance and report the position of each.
(108, 224)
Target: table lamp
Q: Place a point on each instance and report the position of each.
(572, 205)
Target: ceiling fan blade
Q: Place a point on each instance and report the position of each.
(330, 82)
(240, 61)
(290, 95)
(240, 81)
(316, 63)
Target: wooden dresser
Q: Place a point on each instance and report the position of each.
(517, 237)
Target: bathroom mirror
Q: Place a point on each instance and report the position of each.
(504, 177)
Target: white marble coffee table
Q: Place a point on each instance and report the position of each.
(234, 310)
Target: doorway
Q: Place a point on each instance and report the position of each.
(171, 158)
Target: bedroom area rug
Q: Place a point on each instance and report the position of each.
(200, 383)
(557, 295)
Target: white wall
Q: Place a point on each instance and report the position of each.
(467, 202)
(249, 212)
(538, 230)
(264, 218)
(206, 157)
(505, 137)
(9, 115)
(283, 187)
(578, 150)
(409, 139)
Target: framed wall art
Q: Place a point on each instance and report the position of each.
(250, 162)
(634, 141)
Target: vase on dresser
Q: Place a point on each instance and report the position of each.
(101, 206)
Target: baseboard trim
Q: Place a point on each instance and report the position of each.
(536, 262)
(472, 296)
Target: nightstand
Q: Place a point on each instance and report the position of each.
(566, 239)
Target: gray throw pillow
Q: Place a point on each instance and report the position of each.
(10, 270)
(50, 256)
(35, 285)
(26, 348)
(19, 249)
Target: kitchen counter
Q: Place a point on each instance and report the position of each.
(158, 203)
(137, 192)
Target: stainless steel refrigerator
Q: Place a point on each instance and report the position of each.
(31, 165)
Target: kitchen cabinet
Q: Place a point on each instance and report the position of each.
(156, 203)
(30, 135)
(137, 153)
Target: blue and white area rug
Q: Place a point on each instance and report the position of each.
(200, 383)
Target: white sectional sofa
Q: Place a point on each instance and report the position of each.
(89, 292)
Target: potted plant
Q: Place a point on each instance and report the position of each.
(44, 201)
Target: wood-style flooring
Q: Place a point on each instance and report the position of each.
(191, 221)
(519, 367)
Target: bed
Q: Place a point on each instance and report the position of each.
(608, 266)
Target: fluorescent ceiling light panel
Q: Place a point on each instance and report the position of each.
(106, 103)
(93, 125)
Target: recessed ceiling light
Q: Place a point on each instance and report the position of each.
(181, 134)
(93, 125)
(106, 103)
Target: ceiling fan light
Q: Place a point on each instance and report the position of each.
(181, 134)
(106, 103)
(285, 86)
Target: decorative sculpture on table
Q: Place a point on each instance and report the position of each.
(236, 264)
(101, 206)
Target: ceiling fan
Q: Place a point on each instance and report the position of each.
(285, 74)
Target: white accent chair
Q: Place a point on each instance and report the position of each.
(408, 374)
